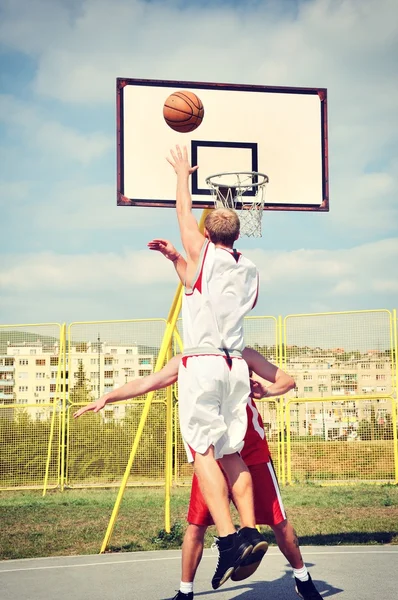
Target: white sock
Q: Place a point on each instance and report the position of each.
(301, 574)
(186, 587)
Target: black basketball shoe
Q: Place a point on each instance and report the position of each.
(306, 589)
(232, 549)
(251, 563)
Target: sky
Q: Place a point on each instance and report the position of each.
(68, 253)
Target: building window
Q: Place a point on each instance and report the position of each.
(52, 387)
(308, 388)
(380, 377)
(379, 366)
(322, 377)
(108, 374)
(40, 375)
(23, 388)
(129, 351)
(40, 362)
(40, 388)
(307, 377)
(32, 351)
(54, 361)
(144, 361)
(108, 360)
(23, 362)
(365, 365)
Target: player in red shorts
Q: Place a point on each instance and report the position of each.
(268, 504)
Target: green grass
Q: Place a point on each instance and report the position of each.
(75, 522)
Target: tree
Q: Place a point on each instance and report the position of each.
(81, 392)
(364, 430)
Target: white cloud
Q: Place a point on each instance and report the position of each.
(134, 284)
(32, 128)
(89, 272)
(93, 207)
(79, 47)
(348, 46)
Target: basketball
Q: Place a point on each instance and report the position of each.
(183, 111)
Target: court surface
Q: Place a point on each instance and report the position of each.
(349, 572)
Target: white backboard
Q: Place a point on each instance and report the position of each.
(281, 132)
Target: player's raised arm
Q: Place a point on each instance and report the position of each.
(168, 251)
(191, 237)
(155, 381)
(281, 382)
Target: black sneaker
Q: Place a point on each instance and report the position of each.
(251, 563)
(306, 589)
(232, 549)
(181, 596)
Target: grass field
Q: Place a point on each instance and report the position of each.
(75, 522)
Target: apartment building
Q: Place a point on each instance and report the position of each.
(31, 373)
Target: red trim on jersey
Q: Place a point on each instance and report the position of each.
(256, 298)
(234, 253)
(198, 283)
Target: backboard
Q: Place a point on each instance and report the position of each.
(279, 131)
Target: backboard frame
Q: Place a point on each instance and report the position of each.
(123, 200)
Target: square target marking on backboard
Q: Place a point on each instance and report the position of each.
(279, 131)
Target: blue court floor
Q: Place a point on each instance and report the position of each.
(339, 572)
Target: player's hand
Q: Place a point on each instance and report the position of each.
(94, 406)
(179, 161)
(257, 389)
(165, 247)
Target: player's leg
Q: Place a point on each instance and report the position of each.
(199, 519)
(288, 543)
(203, 427)
(269, 510)
(234, 410)
(192, 551)
(232, 547)
(215, 491)
(241, 485)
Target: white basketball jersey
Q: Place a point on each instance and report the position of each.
(224, 290)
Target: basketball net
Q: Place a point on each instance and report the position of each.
(244, 193)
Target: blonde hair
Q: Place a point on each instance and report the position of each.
(223, 226)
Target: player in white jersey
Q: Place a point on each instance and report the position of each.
(221, 287)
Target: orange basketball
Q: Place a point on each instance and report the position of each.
(183, 111)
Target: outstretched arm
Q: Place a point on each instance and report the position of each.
(168, 250)
(191, 238)
(281, 382)
(137, 387)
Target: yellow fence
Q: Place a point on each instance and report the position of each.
(338, 426)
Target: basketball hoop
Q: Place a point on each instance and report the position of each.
(244, 193)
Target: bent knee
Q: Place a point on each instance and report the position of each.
(195, 532)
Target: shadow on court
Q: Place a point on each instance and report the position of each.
(346, 573)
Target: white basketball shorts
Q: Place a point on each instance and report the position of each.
(212, 403)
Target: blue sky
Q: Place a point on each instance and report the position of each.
(69, 254)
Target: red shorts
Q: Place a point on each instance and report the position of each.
(268, 506)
